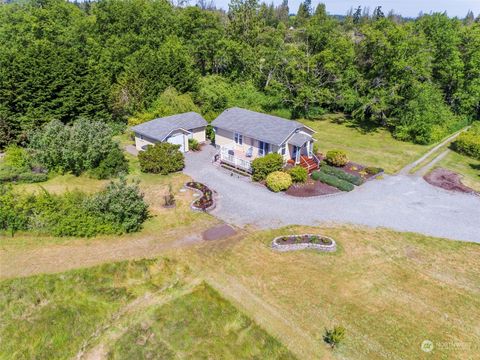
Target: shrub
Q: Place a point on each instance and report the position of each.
(113, 165)
(353, 179)
(74, 148)
(10, 174)
(316, 148)
(468, 143)
(265, 165)
(335, 182)
(17, 157)
(121, 204)
(334, 336)
(210, 133)
(169, 199)
(193, 145)
(119, 208)
(373, 170)
(337, 158)
(315, 175)
(162, 158)
(279, 181)
(31, 177)
(299, 174)
(12, 216)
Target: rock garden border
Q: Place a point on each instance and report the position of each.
(304, 241)
(206, 201)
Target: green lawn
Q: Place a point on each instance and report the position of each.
(54, 316)
(466, 166)
(372, 148)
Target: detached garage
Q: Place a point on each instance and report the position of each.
(175, 129)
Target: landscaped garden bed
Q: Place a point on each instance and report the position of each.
(331, 179)
(311, 188)
(206, 201)
(304, 241)
(335, 174)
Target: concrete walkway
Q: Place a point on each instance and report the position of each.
(401, 202)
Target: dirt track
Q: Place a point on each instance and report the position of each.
(56, 258)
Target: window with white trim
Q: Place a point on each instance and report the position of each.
(238, 138)
(283, 149)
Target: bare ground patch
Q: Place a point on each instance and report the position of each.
(447, 180)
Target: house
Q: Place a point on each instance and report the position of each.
(243, 135)
(175, 129)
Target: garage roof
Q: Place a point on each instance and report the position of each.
(159, 129)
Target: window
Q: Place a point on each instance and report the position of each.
(283, 149)
(238, 138)
(263, 148)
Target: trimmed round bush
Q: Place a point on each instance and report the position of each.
(299, 174)
(162, 158)
(337, 158)
(279, 181)
(265, 165)
(315, 175)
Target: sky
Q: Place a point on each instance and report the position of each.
(409, 8)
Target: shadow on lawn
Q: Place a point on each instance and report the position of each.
(475, 167)
(364, 127)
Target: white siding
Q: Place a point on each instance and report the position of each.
(199, 134)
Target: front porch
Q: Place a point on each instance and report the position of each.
(237, 157)
(241, 157)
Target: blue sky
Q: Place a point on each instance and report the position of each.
(403, 7)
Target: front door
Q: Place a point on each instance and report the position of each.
(296, 154)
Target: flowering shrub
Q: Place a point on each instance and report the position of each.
(337, 158)
(279, 181)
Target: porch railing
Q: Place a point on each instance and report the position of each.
(228, 158)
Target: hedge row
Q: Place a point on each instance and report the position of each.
(333, 181)
(353, 179)
(468, 143)
(22, 176)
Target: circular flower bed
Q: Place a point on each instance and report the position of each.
(304, 241)
(205, 202)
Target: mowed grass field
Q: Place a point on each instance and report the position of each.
(467, 167)
(371, 148)
(65, 315)
(391, 291)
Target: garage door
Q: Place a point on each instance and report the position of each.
(177, 139)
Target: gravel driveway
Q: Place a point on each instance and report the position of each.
(399, 202)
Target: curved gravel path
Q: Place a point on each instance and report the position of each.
(399, 202)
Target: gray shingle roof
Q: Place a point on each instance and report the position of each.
(299, 139)
(268, 128)
(159, 129)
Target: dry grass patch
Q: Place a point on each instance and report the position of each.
(389, 290)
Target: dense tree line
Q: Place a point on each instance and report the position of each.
(112, 60)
